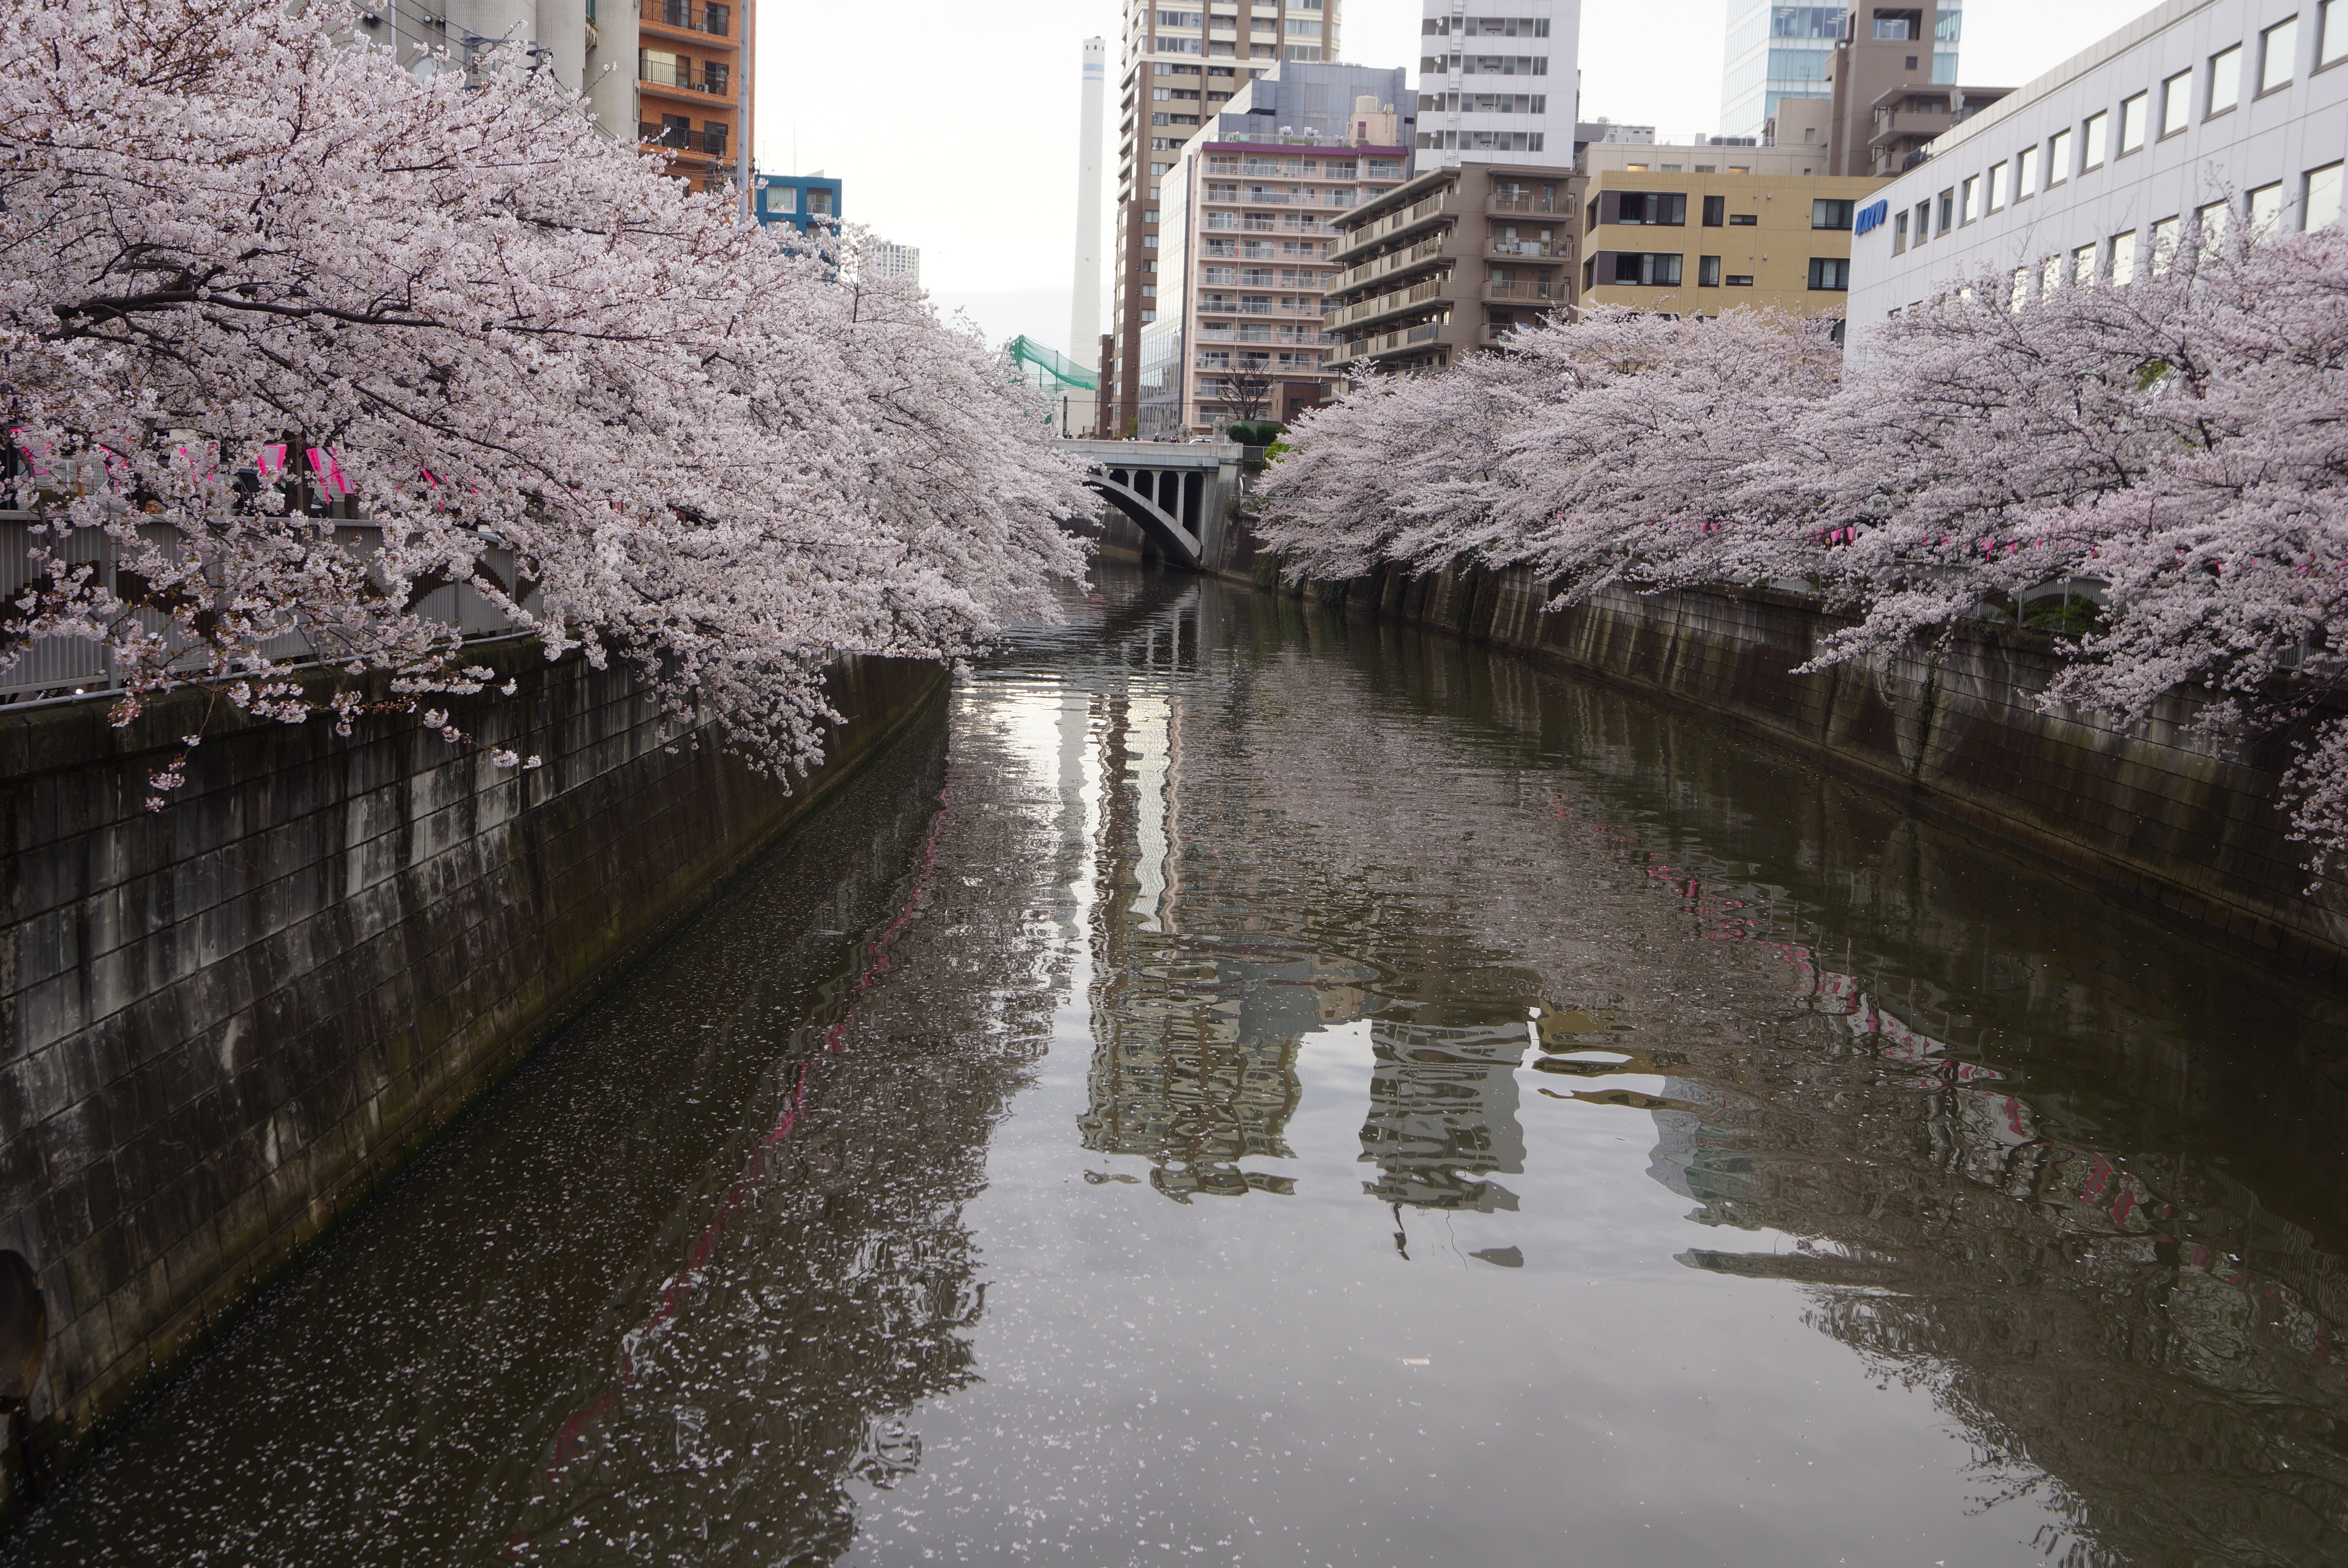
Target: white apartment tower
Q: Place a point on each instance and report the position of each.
(1181, 62)
(1499, 88)
(1084, 311)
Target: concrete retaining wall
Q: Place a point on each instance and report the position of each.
(2188, 821)
(223, 1022)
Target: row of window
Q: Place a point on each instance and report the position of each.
(1484, 66)
(1221, 359)
(1263, 277)
(1668, 209)
(2319, 208)
(1305, 168)
(1485, 141)
(1483, 103)
(1487, 26)
(1266, 250)
(2113, 261)
(2081, 150)
(1654, 269)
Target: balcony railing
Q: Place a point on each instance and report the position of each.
(1439, 205)
(1367, 271)
(1524, 290)
(682, 140)
(1527, 248)
(1522, 204)
(715, 20)
(715, 78)
(1400, 299)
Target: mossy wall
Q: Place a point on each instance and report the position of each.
(223, 1022)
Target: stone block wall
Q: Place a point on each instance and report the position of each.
(222, 1022)
(2186, 819)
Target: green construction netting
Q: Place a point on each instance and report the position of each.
(1062, 371)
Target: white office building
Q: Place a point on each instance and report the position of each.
(895, 263)
(2198, 114)
(1498, 89)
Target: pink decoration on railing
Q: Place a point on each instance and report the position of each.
(329, 470)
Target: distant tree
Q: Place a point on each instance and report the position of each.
(1248, 393)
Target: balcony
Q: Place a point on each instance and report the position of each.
(1522, 204)
(1528, 248)
(1424, 251)
(680, 138)
(1443, 207)
(717, 21)
(1386, 304)
(1394, 342)
(1530, 290)
(715, 78)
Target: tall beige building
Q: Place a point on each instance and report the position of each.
(1180, 64)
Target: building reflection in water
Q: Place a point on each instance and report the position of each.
(1443, 1113)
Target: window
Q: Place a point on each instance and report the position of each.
(1646, 269)
(1829, 272)
(2025, 173)
(2225, 80)
(1739, 280)
(1743, 219)
(782, 198)
(2319, 207)
(2123, 259)
(2091, 141)
(2164, 244)
(2266, 209)
(1642, 208)
(1715, 211)
(2020, 295)
(1303, 26)
(1923, 222)
(2176, 103)
(2058, 158)
(2083, 266)
(1996, 186)
(1181, 19)
(2209, 222)
(2050, 276)
(1968, 204)
(1831, 214)
(2277, 46)
(2331, 33)
(2133, 113)
(1707, 272)
(1900, 232)
(1947, 210)
(820, 202)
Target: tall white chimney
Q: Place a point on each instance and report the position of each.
(1084, 316)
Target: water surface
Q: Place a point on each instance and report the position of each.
(1244, 1087)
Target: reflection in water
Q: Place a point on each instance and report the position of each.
(1651, 1150)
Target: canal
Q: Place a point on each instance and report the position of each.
(1240, 1086)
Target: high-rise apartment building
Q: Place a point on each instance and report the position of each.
(1245, 224)
(1085, 285)
(1777, 52)
(1498, 89)
(1181, 62)
(670, 73)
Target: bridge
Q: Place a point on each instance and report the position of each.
(1178, 495)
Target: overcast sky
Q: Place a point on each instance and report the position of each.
(958, 134)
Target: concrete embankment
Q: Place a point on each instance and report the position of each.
(224, 1021)
(2193, 822)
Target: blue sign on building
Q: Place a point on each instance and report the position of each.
(1871, 217)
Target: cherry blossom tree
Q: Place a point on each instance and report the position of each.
(305, 335)
(2173, 449)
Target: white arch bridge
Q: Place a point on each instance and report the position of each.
(1179, 496)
